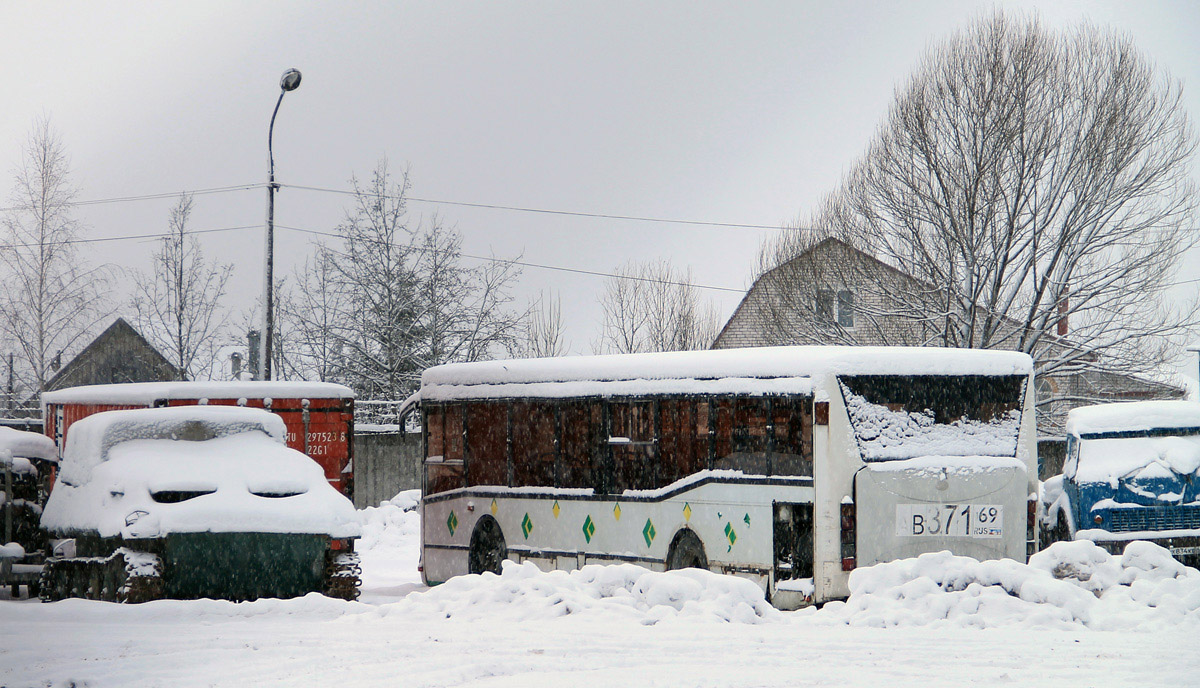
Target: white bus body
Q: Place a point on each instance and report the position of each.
(873, 482)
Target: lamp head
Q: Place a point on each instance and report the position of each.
(290, 80)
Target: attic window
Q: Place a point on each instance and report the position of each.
(837, 305)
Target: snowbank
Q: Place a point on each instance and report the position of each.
(1070, 585)
(522, 592)
(390, 548)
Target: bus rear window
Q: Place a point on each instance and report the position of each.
(905, 416)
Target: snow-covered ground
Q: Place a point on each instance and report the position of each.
(1075, 614)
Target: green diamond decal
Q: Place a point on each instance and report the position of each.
(526, 526)
(452, 522)
(648, 532)
(730, 535)
(589, 528)
(747, 520)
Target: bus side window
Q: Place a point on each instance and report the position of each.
(581, 426)
(433, 430)
(722, 410)
(678, 450)
(533, 444)
(487, 443)
(792, 418)
(749, 425)
(441, 476)
(632, 422)
(452, 432)
(703, 435)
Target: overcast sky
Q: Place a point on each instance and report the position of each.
(742, 113)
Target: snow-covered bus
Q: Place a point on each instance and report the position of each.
(788, 465)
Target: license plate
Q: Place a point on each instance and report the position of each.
(1185, 550)
(950, 520)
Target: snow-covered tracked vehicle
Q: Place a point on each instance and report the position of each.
(191, 502)
(27, 462)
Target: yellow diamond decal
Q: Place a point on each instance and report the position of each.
(617, 512)
(555, 509)
(494, 507)
(687, 511)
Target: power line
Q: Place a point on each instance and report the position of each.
(543, 211)
(149, 197)
(541, 266)
(131, 237)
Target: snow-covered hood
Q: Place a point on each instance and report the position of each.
(1151, 471)
(246, 482)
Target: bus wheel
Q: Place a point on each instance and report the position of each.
(487, 547)
(686, 552)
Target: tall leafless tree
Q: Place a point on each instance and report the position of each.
(1035, 184)
(652, 307)
(312, 313)
(545, 335)
(177, 305)
(392, 297)
(50, 299)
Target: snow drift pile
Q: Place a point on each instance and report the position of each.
(1070, 585)
(390, 546)
(523, 592)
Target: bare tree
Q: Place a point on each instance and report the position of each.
(1035, 187)
(392, 297)
(466, 313)
(50, 298)
(177, 304)
(651, 307)
(545, 329)
(312, 312)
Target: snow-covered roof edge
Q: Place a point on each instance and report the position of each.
(1132, 416)
(792, 362)
(146, 393)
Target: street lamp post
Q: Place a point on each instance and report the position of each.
(290, 81)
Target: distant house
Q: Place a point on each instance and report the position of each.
(119, 354)
(833, 293)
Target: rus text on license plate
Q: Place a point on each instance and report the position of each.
(954, 520)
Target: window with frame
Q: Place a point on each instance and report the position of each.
(845, 308)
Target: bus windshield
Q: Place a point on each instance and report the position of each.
(906, 416)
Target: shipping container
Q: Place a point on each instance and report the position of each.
(319, 415)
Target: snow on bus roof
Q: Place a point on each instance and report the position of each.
(782, 369)
(1132, 416)
(146, 393)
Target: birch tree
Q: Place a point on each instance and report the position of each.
(51, 299)
(177, 305)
